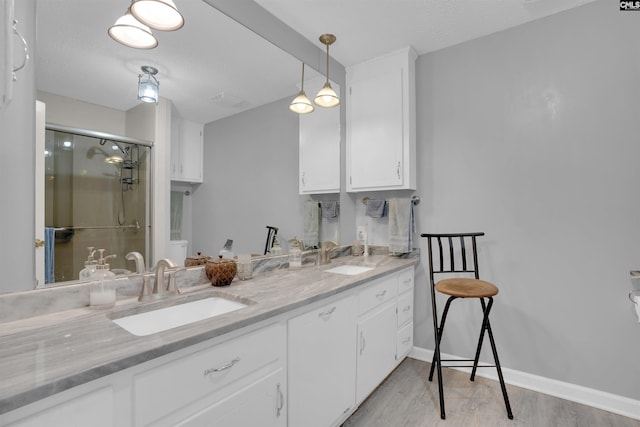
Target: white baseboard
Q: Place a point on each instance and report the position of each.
(587, 396)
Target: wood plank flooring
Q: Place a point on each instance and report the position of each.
(408, 399)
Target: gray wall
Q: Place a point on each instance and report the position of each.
(250, 181)
(531, 135)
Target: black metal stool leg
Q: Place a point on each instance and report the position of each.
(485, 321)
(439, 334)
(499, 369)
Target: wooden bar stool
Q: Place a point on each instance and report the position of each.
(452, 260)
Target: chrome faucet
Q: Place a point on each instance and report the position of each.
(137, 257)
(160, 289)
(324, 253)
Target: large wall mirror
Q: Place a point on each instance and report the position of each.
(213, 70)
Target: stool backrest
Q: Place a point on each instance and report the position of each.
(452, 253)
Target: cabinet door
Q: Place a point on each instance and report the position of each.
(376, 131)
(322, 345)
(320, 148)
(192, 146)
(377, 336)
(95, 408)
(260, 404)
(176, 149)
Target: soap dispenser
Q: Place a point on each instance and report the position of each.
(295, 254)
(89, 265)
(105, 293)
(276, 249)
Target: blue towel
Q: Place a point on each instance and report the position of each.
(49, 254)
(330, 209)
(401, 225)
(376, 208)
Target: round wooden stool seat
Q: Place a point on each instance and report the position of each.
(466, 288)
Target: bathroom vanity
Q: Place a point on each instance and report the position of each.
(307, 349)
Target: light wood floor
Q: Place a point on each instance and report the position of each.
(408, 399)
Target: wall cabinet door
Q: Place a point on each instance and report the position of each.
(320, 146)
(377, 337)
(381, 123)
(322, 370)
(186, 150)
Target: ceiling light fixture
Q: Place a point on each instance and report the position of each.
(301, 103)
(130, 32)
(160, 15)
(327, 97)
(148, 85)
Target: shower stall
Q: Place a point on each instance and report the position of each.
(96, 196)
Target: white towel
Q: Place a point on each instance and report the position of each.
(401, 225)
(311, 223)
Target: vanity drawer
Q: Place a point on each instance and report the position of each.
(176, 384)
(379, 292)
(405, 308)
(405, 281)
(404, 342)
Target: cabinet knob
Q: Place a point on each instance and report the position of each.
(39, 243)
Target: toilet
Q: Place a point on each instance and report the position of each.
(178, 251)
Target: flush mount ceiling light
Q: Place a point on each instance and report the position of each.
(130, 32)
(148, 85)
(158, 14)
(301, 103)
(327, 97)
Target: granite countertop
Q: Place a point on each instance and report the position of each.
(45, 355)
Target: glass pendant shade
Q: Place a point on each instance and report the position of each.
(148, 85)
(130, 32)
(158, 14)
(327, 97)
(301, 103)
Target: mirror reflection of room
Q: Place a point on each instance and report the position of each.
(95, 198)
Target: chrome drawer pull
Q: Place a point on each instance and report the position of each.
(223, 367)
(325, 315)
(407, 341)
(407, 280)
(381, 294)
(407, 308)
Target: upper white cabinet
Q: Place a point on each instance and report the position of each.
(381, 123)
(186, 150)
(320, 145)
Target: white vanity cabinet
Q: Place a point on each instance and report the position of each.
(186, 150)
(319, 153)
(322, 365)
(238, 381)
(377, 334)
(381, 123)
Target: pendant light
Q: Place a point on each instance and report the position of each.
(301, 103)
(327, 97)
(130, 32)
(148, 85)
(158, 14)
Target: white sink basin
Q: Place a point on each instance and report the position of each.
(166, 318)
(349, 270)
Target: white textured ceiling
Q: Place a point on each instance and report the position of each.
(213, 55)
(368, 28)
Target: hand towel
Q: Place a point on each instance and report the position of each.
(49, 255)
(401, 225)
(376, 208)
(329, 209)
(311, 223)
